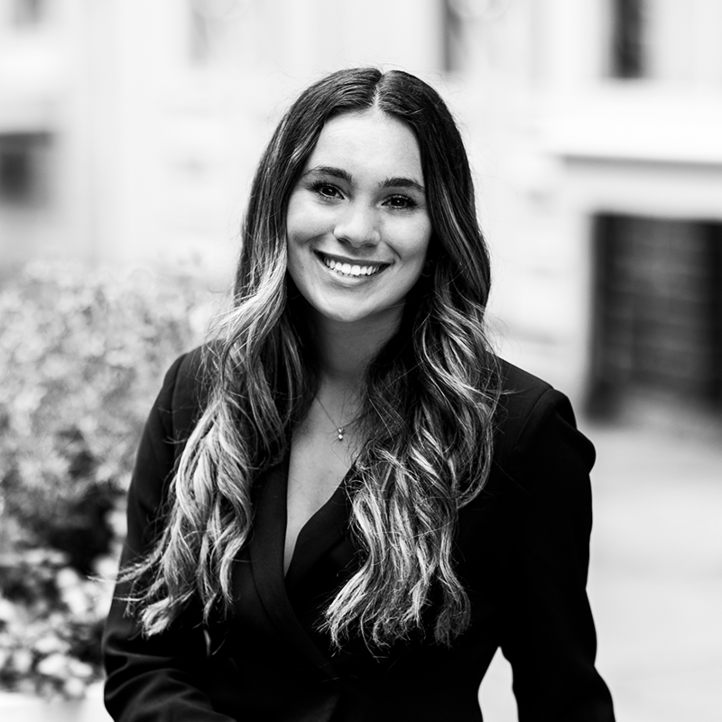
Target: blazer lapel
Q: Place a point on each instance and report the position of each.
(266, 549)
(324, 531)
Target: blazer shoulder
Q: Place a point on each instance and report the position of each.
(186, 390)
(526, 404)
(521, 388)
(520, 395)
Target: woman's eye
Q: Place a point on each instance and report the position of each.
(326, 190)
(401, 202)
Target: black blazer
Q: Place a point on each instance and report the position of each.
(522, 553)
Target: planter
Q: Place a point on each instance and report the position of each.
(24, 708)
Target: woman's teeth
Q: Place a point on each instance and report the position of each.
(350, 270)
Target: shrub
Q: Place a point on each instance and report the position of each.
(82, 357)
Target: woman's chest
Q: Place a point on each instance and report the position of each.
(316, 467)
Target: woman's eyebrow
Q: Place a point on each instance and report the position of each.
(332, 171)
(395, 182)
(400, 182)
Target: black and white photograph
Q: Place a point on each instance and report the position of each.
(360, 361)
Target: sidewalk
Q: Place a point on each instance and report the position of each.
(655, 580)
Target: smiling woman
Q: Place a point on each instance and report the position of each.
(346, 503)
(358, 226)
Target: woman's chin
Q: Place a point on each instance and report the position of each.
(355, 316)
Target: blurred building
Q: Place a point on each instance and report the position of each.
(129, 130)
(606, 190)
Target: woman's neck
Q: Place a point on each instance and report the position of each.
(343, 350)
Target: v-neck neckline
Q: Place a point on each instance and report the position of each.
(327, 524)
(323, 530)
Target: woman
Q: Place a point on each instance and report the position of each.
(343, 506)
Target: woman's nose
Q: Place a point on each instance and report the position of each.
(358, 226)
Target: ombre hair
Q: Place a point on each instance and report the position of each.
(427, 422)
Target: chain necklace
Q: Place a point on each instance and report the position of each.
(340, 430)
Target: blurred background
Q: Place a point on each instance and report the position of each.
(129, 132)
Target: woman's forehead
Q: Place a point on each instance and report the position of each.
(372, 140)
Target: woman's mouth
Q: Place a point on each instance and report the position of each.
(351, 270)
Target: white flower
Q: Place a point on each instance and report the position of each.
(80, 670)
(49, 644)
(74, 688)
(22, 660)
(55, 665)
(8, 612)
(72, 591)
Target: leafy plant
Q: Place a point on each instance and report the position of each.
(82, 356)
(50, 625)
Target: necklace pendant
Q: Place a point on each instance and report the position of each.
(340, 432)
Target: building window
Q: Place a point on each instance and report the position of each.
(452, 36)
(658, 314)
(28, 12)
(200, 34)
(457, 16)
(23, 170)
(208, 20)
(628, 39)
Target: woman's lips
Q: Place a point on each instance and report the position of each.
(351, 268)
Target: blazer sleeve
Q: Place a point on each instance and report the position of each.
(158, 678)
(548, 632)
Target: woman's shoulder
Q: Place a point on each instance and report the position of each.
(194, 368)
(523, 396)
(519, 385)
(531, 409)
(186, 389)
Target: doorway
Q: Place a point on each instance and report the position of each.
(657, 326)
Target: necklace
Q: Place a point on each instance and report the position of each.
(340, 430)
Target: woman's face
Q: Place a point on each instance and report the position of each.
(358, 226)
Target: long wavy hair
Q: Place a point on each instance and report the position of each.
(428, 410)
